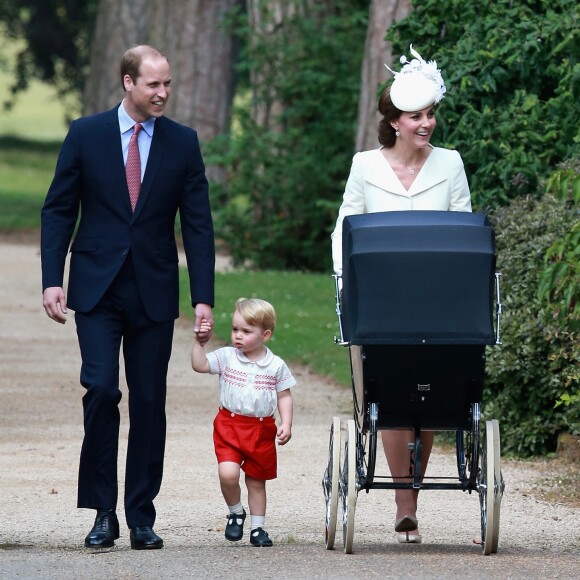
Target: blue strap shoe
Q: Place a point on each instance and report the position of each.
(259, 538)
(235, 527)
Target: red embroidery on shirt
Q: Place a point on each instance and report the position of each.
(265, 382)
(234, 377)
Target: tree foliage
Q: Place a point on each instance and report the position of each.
(57, 35)
(513, 75)
(284, 179)
(512, 71)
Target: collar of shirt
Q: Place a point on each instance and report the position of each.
(126, 123)
(263, 362)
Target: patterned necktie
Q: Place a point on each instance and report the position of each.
(133, 167)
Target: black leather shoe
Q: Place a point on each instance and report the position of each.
(105, 531)
(144, 538)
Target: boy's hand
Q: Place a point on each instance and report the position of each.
(203, 313)
(203, 334)
(284, 433)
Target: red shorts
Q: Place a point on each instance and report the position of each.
(248, 441)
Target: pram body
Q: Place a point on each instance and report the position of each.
(415, 306)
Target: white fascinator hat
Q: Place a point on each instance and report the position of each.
(417, 85)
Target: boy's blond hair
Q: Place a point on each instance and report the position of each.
(257, 312)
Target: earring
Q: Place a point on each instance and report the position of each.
(397, 133)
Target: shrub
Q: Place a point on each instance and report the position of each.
(560, 281)
(559, 286)
(527, 375)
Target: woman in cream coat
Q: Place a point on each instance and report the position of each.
(405, 173)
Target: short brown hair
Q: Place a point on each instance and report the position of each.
(132, 59)
(390, 113)
(257, 312)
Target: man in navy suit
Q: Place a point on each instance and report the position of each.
(123, 281)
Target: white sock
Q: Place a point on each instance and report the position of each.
(236, 509)
(257, 522)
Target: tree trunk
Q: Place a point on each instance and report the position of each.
(265, 20)
(200, 50)
(378, 52)
(119, 26)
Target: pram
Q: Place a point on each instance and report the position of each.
(415, 309)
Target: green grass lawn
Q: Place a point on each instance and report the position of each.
(27, 168)
(29, 120)
(31, 132)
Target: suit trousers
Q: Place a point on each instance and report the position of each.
(120, 319)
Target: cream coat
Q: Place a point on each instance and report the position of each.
(372, 186)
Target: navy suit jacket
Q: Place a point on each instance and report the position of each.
(90, 179)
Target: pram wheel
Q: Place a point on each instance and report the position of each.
(498, 487)
(491, 487)
(348, 486)
(330, 482)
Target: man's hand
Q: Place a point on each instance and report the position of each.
(54, 302)
(203, 314)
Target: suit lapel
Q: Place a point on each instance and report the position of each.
(432, 173)
(380, 174)
(114, 152)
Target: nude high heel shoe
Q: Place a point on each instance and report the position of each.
(408, 538)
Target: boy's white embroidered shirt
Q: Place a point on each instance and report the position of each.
(249, 387)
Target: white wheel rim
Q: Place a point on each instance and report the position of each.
(350, 503)
(332, 500)
(497, 486)
(489, 467)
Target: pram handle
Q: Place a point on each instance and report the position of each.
(338, 290)
(498, 309)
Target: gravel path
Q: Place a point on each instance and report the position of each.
(41, 531)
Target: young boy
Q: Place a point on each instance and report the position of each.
(253, 382)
